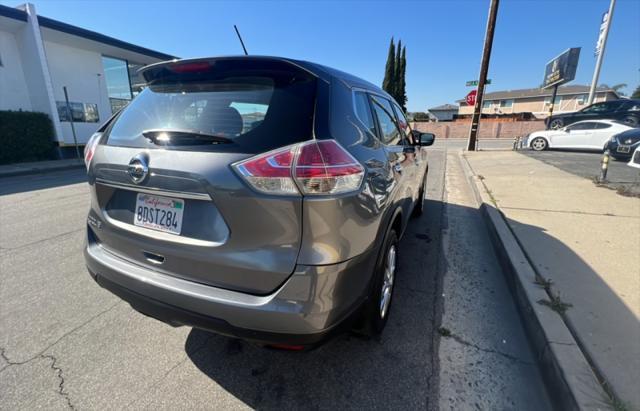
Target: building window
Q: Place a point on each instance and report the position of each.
(581, 99)
(116, 75)
(547, 101)
(137, 81)
(506, 103)
(487, 104)
(80, 112)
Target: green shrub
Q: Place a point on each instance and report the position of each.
(25, 136)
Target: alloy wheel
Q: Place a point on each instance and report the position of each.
(539, 144)
(387, 281)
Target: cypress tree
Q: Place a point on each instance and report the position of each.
(402, 92)
(390, 70)
(397, 80)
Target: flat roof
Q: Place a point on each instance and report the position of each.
(541, 92)
(52, 24)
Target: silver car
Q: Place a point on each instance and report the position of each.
(256, 197)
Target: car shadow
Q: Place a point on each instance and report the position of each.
(393, 372)
(400, 369)
(21, 184)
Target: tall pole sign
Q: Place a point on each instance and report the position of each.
(560, 70)
(484, 68)
(600, 45)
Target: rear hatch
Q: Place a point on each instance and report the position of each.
(163, 182)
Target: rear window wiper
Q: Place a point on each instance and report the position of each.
(182, 137)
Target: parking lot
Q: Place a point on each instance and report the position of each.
(454, 338)
(620, 176)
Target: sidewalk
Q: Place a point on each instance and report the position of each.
(586, 240)
(36, 167)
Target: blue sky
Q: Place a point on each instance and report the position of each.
(443, 38)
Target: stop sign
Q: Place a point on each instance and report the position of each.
(471, 97)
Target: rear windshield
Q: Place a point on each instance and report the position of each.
(251, 111)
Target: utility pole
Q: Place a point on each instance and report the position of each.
(596, 72)
(484, 68)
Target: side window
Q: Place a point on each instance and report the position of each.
(386, 119)
(403, 123)
(602, 125)
(596, 108)
(584, 126)
(363, 111)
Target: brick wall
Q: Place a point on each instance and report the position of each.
(488, 129)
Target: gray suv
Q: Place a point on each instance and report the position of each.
(257, 197)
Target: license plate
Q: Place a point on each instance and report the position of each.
(623, 149)
(159, 213)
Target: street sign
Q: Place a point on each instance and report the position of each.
(562, 69)
(603, 29)
(471, 97)
(473, 83)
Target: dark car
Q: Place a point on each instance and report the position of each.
(257, 197)
(621, 146)
(624, 110)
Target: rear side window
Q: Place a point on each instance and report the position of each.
(386, 118)
(252, 109)
(363, 111)
(403, 122)
(584, 126)
(602, 125)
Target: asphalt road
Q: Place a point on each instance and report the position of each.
(620, 176)
(67, 343)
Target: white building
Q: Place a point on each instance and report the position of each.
(39, 56)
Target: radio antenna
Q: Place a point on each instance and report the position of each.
(241, 42)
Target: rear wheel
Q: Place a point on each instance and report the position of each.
(556, 124)
(539, 144)
(376, 310)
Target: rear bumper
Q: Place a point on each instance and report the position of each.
(306, 309)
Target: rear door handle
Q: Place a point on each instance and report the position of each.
(398, 168)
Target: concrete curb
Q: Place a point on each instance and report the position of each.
(22, 171)
(570, 379)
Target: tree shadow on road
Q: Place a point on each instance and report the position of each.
(21, 184)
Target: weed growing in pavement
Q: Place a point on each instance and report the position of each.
(544, 282)
(445, 332)
(556, 304)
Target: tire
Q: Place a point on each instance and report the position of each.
(418, 209)
(376, 310)
(631, 121)
(556, 124)
(539, 144)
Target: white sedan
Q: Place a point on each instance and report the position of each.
(583, 135)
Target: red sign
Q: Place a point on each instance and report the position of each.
(471, 97)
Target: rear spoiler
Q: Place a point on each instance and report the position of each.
(168, 70)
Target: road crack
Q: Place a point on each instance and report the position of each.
(58, 370)
(445, 333)
(40, 354)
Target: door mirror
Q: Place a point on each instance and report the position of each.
(426, 139)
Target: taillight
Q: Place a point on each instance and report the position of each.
(319, 167)
(270, 172)
(90, 148)
(325, 167)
